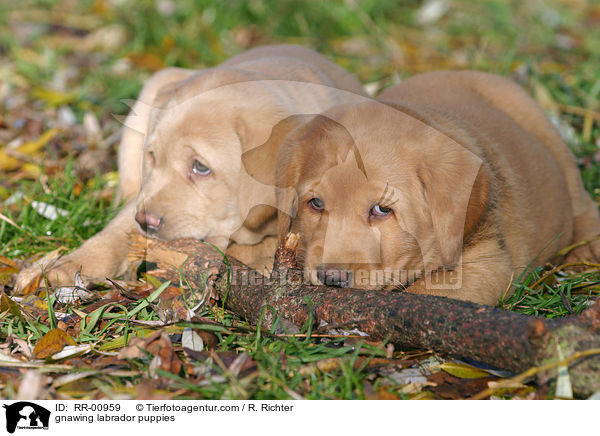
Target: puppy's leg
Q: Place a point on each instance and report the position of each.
(483, 276)
(585, 228)
(586, 218)
(103, 255)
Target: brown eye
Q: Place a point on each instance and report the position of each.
(200, 169)
(316, 204)
(380, 211)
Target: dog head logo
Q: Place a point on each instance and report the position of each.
(24, 414)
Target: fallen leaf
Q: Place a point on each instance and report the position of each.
(191, 340)
(53, 98)
(448, 386)
(51, 343)
(463, 370)
(10, 306)
(8, 358)
(72, 350)
(134, 349)
(160, 346)
(48, 211)
(74, 294)
(6, 272)
(149, 61)
(7, 262)
(33, 147)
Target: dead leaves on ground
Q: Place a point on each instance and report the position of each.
(139, 355)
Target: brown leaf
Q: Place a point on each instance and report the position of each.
(158, 344)
(10, 306)
(210, 339)
(134, 348)
(7, 262)
(148, 61)
(448, 386)
(51, 343)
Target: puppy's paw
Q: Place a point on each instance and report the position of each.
(62, 270)
(586, 253)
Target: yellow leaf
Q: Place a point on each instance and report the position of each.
(31, 169)
(33, 147)
(7, 162)
(6, 261)
(544, 98)
(53, 98)
(51, 343)
(81, 313)
(6, 272)
(462, 370)
(33, 301)
(9, 305)
(111, 178)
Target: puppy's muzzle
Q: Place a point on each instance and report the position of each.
(149, 222)
(332, 276)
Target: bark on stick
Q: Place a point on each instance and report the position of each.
(504, 339)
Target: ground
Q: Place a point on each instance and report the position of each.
(67, 69)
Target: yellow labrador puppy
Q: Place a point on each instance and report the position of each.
(181, 150)
(449, 185)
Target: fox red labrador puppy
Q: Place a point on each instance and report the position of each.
(451, 184)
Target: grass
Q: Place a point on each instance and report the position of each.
(88, 56)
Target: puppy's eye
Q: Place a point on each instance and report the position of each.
(316, 204)
(200, 169)
(380, 211)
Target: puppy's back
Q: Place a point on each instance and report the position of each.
(532, 170)
(469, 92)
(288, 57)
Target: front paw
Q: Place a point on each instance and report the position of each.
(56, 272)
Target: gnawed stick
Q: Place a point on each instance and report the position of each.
(500, 338)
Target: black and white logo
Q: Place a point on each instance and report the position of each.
(26, 415)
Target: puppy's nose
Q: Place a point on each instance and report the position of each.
(149, 222)
(332, 276)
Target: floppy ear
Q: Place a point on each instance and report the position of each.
(457, 187)
(260, 162)
(274, 164)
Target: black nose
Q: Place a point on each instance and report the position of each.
(149, 222)
(332, 276)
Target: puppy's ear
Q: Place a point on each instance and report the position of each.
(275, 163)
(457, 187)
(289, 167)
(260, 162)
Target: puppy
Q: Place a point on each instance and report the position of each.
(181, 150)
(451, 184)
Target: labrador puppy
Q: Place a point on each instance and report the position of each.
(180, 156)
(451, 184)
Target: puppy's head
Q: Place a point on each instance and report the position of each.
(192, 159)
(189, 176)
(380, 197)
